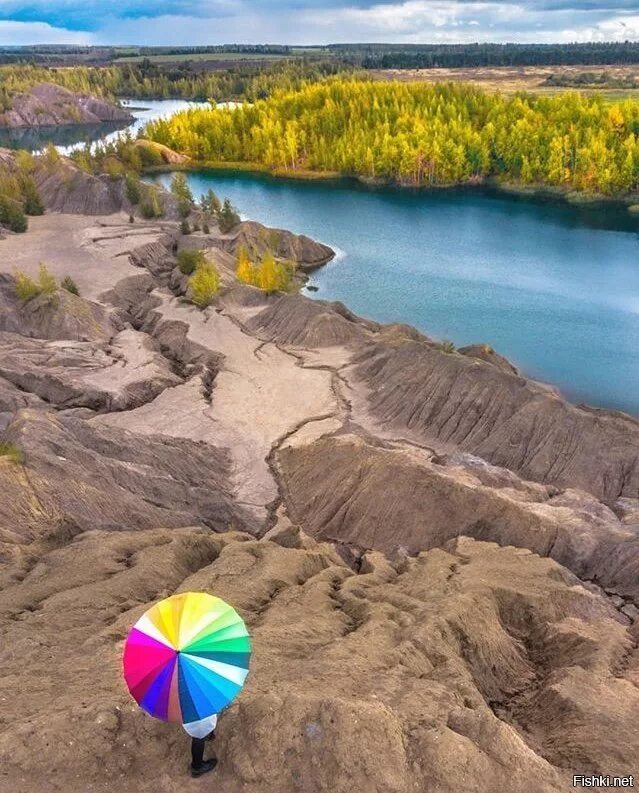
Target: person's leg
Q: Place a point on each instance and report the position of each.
(197, 752)
(199, 765)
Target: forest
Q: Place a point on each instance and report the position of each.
(424, 56)
(368, 56)
(147, 80)
(422, 134)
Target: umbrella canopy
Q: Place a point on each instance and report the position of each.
(187, 657)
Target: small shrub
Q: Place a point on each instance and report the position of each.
(181, 190)
(131, 219)
(184, 226)
(25, 161)
(205, 228)
(210, 203)
(204, 285)
(51, 156)
(227, 217)
(133, 191)
(11, 452)
(27, 288)
(151, 206)
(32, 202)
(113, 168)
(46, 280)
(12, 215)
(190, 260)
(70, 285)
(447, 346)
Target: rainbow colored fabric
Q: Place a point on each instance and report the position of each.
(187, 657)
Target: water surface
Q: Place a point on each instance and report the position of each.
(552, 287)
(68, 137)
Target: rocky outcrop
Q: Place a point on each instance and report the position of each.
(59, 316)
(159, 151)
(498, 415)
(66, 188)
(401, 501)
(257, 239)
(79, 476)
(293, 320)
(473, 400)
(124, 374)
(484, 352)
(63, 187)
(47, 105)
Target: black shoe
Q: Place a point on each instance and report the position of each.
(207, 765)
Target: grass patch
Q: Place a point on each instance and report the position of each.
(70, 285)
(27, 288)
(447, 346)
(9, 451)
(204, 56)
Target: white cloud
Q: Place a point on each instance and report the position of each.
(14, 33)
(621, 27)
(413, 21)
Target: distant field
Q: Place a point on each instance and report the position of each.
(518, 78)
(254, 57)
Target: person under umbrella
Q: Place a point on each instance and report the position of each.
(184, 661)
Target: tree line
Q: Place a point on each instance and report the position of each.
(148, 80)
(424, 56)
(422, 134)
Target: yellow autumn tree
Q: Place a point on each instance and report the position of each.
(245, 271)
(204, 284)
(267, 274)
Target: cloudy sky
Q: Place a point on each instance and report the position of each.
(314, 21)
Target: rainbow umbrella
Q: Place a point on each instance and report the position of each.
(187, 657)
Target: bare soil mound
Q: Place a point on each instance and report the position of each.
(47, 105)
(297, 321)
(309, 254)
(400, 501)
(506, 419)
(383, 681)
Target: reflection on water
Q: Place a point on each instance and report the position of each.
(63, 137)
(74, 136)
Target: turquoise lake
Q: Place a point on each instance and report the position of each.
(554, 288)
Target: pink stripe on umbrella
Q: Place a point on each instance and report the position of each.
(144, 656)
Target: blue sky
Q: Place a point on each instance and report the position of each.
(311, 21)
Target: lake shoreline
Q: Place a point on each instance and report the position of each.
(544, 261)
(536, 193)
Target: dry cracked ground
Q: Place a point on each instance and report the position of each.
(438, 559)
